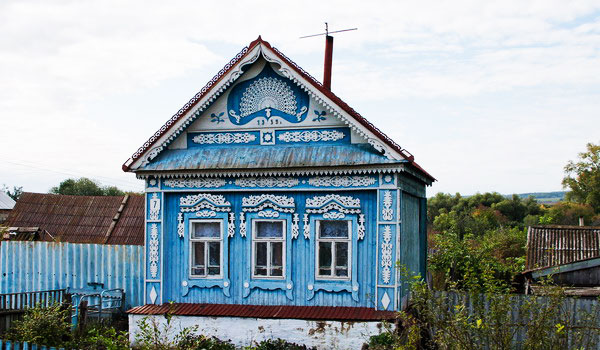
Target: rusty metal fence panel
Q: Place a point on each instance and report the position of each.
(35, 266)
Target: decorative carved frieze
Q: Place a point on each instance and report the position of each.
(192, 199)
(153, 254)
(195, 183)
(224, 138)
(310, 136)
(387, 212)
(295, 228)
(346, 201)
(386, 254)
(257, 203)
(335, 206)
(341, 181)
(266, 182)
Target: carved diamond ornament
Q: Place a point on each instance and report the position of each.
(153, 295)
(385, 301)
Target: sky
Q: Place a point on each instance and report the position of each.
(487, 95)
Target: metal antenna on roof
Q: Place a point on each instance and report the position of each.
(328, 53)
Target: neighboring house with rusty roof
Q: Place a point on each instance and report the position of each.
(570, 255)
(6, 205)
(77, 219)
(269, 194)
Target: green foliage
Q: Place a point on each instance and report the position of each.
(583, 178)
(15, 193)
(468, 321)
(85, 187)
(99, 336)
(43, 325)
(279, 344)
(202, 342)
(566, 213)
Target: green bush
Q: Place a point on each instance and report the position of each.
(99, 336)
(43, 325)
(279, 344)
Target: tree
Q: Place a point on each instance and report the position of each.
(583, 178)
(85, 187)
(15, 193)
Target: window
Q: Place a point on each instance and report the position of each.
(333, 249)
(268, 249)
(206, 249)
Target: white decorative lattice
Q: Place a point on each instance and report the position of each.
(268, 92)
(295, 228)
(386, 254)
(206, 213)
(154, 207)
(268, 213)
(306, 227)
(224, 138)
(242, 224)
(310, 136)
(334, 215)
(195, 183)
(361, 226)
(192, 199)
(346, 201)
(341, 181)
(387, 212)
(153, 255)
(180, 225)
(231, 226)
(266, 182)
(257, 203)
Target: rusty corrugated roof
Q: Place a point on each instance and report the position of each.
(556, 245)
(266, 311)
(81, 219)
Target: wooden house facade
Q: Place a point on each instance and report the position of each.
(267, 190)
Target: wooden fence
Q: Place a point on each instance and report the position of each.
(13, 305)
(8, 345)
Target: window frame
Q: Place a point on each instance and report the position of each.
(192, 240)
(269, 242)
(348, 240)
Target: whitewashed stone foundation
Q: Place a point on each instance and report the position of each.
(245, 331)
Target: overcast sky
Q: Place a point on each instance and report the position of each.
(488, 96)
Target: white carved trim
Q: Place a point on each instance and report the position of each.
(310, 136)
(306, 227)
(195, 183)
(334, 215)
(386, 254)
(268, 213)
(180, 225)
(387, 212)
(243, 224)
(341, 181)
(224, 138)
(192, 199)
(266, 182)
(320, 201)
(153, 256)
(206, 213)
(295, 228)
(231, 226)
(257, 203)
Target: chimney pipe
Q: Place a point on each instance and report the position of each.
(328, 58)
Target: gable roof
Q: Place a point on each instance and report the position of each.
(79, 219)
(6, 203)
(231, 72)
(557, 245)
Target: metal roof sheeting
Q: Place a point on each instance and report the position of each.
(267, 311)
(252, 157)
(6, 203)
(556, 245)
(81, 219)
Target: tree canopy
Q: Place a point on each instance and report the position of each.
(15, 193)
(85, 187)
(583, 178)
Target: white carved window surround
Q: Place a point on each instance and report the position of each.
(206, 249)
(268, 249)
(334, 249)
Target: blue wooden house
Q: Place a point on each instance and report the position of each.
(269, 198)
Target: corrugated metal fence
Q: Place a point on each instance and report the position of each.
(34, 266)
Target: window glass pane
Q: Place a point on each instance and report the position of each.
(277, 259)
(206, 230)
(260, 263)
(341, 259)
(214, 258)
(198, 260)
(333, 229)
(325, 258)
(269, 229)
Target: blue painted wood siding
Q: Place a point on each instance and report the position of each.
(34, 266)
(176, 264)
